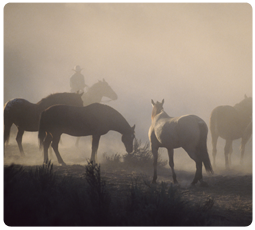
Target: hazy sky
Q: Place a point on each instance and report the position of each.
(195, 56)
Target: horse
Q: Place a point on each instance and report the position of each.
(95, 119)
(95, 94)
(97, 91)
(188, 132)
(26, 115)
(231, 123)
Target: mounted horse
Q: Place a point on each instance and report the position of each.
(95, 120)
(25, 115)
(231, 123)
(97, 91)
(188, 132)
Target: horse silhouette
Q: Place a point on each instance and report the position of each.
(95, 94)
(97, 91)
(26, 115)
(231, 123)
(188, 132)
(95, 120)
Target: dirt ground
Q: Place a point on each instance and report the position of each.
(229, 190)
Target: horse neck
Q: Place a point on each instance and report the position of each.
(118, 123)
(155, 112)
(94, 95)
(52, 100)
(244, 117)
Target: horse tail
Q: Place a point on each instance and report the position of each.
(202, 147)
(7, 123)
(42, 132)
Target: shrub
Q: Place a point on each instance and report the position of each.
(141, 157)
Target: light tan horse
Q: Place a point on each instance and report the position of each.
(231, 123)
(93, 120)
(188, 132)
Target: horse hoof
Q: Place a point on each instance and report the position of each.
(63, 164)
(154, 182)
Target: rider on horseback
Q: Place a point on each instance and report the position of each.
(77, 81)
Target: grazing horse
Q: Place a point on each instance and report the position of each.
(95, 94)
(231, 123)
(97, 91)
(26, 115)
(188, 132)
(95, 119)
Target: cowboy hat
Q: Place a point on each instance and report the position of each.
(77, 68)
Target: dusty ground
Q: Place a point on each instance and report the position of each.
(230, 190)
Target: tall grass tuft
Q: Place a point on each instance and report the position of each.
(97, 192)
(141, 157)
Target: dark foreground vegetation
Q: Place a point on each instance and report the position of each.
(91, 195)
(39, 197)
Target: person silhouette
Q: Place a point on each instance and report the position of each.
(77, 81)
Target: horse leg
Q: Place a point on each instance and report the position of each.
(95, 143)
(155, 162)
(244, 141)
(214, 146)
(171, 164)
(19, 141)
(227, 150)
(230, 153)
(198, 174)
(46, 145)
(54, 145)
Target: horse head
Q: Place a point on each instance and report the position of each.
(157, 108)
(106, 90)
(128, 138)
(245, 107)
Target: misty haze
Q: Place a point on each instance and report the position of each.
(194, 56)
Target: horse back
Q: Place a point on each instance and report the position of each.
(177, 132)
(22, 113)
(225, 122)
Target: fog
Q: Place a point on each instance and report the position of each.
(195, 56)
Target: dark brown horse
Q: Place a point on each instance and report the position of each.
(95, 120)
(231, 123)
(25, 115)
(95, 94)
(188, 132)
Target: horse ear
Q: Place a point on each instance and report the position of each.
(103, 80)
(245, 96)
(152, 102)
(162, 102)
(133, 128)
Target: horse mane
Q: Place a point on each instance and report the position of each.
(59, 98)
(96, 85)
(53, 96)
(245, 104)
(115, 117)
